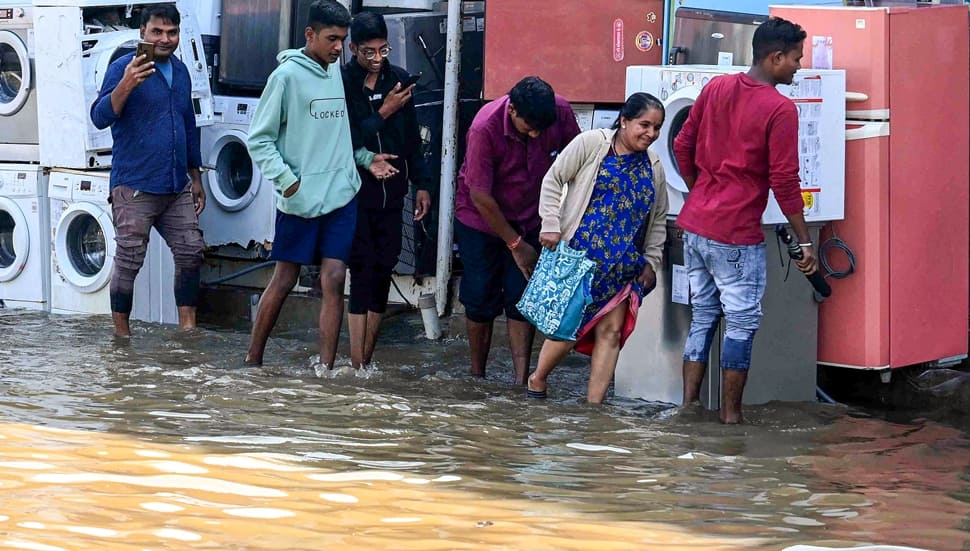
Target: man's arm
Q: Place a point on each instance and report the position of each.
(119, 82)
(785, 181)
(480, 178)
(193, 152)
(263, 134)
(419, 171)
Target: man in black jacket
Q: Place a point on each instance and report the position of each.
(383, 120)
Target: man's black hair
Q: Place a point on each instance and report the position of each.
(327, 13)
(535, 102)
(776, 35)
(166, 12)
(367, 26)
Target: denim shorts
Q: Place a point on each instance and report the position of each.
(726, 280)
(491, 282)
(309, 240)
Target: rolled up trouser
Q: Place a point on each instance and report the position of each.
(173, 215)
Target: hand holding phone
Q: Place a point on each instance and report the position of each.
(410, 81)
(146, 49)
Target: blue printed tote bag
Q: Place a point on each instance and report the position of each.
(558, 292)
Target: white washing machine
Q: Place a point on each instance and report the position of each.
(19, 139)
(71, 64)
(240, 203)
(24, 237)
(820, 98)
(83, 247)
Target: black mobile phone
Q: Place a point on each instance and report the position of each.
(146, 49)
(413, 79)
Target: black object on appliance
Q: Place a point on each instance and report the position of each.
(822, 289)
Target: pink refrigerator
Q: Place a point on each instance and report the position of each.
(906, 191)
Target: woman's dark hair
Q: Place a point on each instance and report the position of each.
(638, 104)
(327, 13)
(535, 102)
(776, 35)
(367, 26)
(166, 12)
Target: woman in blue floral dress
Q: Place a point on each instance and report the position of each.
(606, 195)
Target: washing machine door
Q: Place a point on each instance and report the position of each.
(84, 245)
(15, 76)
(232, 178)
(677, 107)
(14, 240)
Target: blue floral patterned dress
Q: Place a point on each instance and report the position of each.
(613, 226)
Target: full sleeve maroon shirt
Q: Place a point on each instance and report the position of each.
(740, 140)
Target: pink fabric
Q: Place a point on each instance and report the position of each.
(586, 337)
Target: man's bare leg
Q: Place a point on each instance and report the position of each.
(268, 311)
(731, 395)
(521, 336)
(333, 273)
(479, 343)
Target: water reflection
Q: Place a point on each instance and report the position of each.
(171, 439)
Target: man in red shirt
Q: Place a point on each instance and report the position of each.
(739, 142)
(511, 144)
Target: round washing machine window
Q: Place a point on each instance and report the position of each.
(14, 73)
(234, 183)
(14, 240)
(84, 246)
(678, 108)
(234, 170)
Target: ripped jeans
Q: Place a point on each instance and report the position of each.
(729, 280)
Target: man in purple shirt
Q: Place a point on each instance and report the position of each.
(511, 144)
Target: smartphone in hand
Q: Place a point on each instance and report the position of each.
(411, 80)
(147, 49)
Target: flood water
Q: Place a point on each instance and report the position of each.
(169, 443)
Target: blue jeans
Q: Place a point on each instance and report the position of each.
(728, 279)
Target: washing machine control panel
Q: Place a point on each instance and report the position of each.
(17, 183)
(91, 189)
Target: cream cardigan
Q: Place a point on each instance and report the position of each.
(568, 187)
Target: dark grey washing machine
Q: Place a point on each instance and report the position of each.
(783, 364)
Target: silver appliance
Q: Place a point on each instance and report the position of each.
(783, 362)
(712, 37)
(19, 139)
(253, 33)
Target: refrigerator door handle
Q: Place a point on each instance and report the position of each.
(864, 130)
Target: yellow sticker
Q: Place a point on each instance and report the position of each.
(808, 198)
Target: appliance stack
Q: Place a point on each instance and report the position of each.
(55, 220)
(24, 226)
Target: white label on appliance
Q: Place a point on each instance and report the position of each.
(480, 24)
(725, 58)
(821, 52)
(584, 115)
(860, 23)
(468, 24)
(680, 286)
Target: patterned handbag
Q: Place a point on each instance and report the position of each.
(558, 292)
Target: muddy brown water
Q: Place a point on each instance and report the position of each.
(168, 442)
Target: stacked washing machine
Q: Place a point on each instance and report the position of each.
(241, 204)
(81, 38)
(24, 243)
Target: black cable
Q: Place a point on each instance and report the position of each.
(240, 273)
(836, 243)
(404, 298)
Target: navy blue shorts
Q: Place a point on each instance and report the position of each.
(490, 280)
(309, 240)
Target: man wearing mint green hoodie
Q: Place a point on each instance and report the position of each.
(300, 139)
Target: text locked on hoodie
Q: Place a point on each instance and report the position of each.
(301, 132)
(399, 134)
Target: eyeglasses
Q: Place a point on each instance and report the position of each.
(370, 54)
